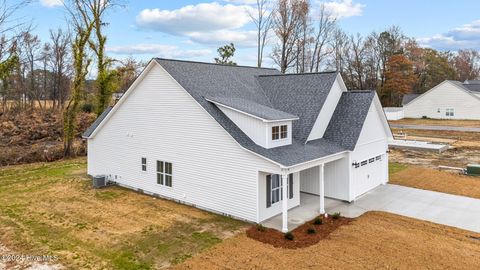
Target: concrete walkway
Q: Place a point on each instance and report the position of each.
(457, 211)
(429, 127)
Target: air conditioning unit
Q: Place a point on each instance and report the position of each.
(99, 181)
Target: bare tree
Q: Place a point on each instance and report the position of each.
(31, 47)
(263, 22)
(287, 22)
(324, 32)
(59, 64)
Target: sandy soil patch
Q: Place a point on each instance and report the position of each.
(441, 181)
(437, 122)
(51, 208)
(465, 149)
(376, 240)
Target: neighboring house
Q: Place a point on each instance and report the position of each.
(448, 100)
(228, 138)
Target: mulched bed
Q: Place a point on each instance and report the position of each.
(301, 236)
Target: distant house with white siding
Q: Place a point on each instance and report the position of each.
(448, 100)
(242, 141)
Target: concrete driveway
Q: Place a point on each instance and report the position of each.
(430, 127)
(457, 211)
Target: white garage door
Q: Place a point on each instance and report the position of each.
(368, 174)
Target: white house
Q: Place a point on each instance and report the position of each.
(448, 100)
(228, 138)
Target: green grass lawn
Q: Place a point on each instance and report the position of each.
(52, 209)
(394, 167)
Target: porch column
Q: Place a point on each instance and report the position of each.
(284, 203)
(322, 188)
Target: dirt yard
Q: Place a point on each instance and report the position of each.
(35, 136)
(465, 148)
(432, 179)
(376, 240)
(437, 122)
(51, 209)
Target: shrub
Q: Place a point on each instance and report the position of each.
(261, 228)
(289, 236)
(311, 230)
(336, 215)
(318, 221)
(87, 107)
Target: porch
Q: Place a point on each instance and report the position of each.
(308, 209)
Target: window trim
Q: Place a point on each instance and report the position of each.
(279, 188)
(143, 165)
(164, 174)
(278, 132)
(450, 112)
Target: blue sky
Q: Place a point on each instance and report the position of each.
(195, 29)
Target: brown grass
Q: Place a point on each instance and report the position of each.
(437, 122)
(441, 181)
(376, 240)
(51, 209)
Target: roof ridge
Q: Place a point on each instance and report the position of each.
(214, 64)
(304, 73)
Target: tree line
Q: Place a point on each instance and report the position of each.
(307, 38)
(300, 37)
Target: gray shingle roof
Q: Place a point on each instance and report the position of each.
(472, 87)
(96, 123)
(267, 93)
(253, 108)
(409, 98)
(348, 119)
(299, 94)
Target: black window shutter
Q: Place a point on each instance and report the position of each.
(290, 186)
(269, 190)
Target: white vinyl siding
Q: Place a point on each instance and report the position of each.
(326, 113)
(254, 128)
(265, 211)
(161, 120)
(286, 139)
(447, 95)
(372, 142)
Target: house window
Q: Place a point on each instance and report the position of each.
(144, 164)
(275, 188)
(449, 112)
(283, 131)
(365, 162)
(378, 158)
(371, 160)
(275, 133)
(438, 110)
(164, 173)
(279, 132)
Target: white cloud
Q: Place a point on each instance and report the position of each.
(343, 8)
(239, 38)
(205, 23)
(51, 3)
(463, 37)
(243, 2)
(160, 50)
(203, 17)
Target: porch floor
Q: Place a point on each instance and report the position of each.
(307, 210)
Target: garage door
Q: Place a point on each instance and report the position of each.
(368, 174)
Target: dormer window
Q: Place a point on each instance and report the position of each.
(279, 132)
